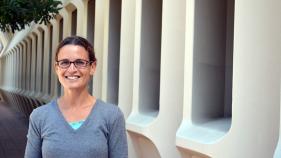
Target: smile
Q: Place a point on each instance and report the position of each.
(72, 77)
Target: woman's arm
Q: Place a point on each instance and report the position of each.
(34, 141)
(118, 147)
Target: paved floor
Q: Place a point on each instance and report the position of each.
(13, 130)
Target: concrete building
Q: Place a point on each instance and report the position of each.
(194, 78)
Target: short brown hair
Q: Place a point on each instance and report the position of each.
(80, 41)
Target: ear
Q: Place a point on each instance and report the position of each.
(93, 68)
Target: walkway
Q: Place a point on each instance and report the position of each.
(13, 130)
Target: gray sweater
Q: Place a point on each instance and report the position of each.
(102, 135)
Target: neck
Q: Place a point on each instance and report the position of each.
(75, 98)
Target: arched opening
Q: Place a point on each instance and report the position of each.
(91, 29)
(50, 59)
(74, 22)
(113, 50)
(35, 61)
(42, 59)
(150, 57)
(29, 63)
(59, 88)
(212, 63)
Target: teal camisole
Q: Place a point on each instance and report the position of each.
(76, 125)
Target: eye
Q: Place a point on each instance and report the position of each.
(64, 63)
(80, 62)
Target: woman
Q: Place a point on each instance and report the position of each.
(77, 124)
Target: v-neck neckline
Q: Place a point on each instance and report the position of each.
(66, 123)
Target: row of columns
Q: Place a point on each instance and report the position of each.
(191, 77)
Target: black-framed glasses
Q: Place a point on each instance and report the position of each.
(78, 63)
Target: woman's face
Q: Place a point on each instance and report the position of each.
(74, 77)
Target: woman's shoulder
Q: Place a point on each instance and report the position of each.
(108, 109)
(42, 110)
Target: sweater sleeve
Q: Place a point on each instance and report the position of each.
(34, 141)
(118, 147)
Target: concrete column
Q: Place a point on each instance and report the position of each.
(33, 64)
(38, 61)
(28, 65)
(8, 71)
(46, 76)
(127, 51)
(149, 116)
(255, 110)
(20, 67)
(81, 6)
(99, 83)
(69, 21)
(54, 83)
(17, 49)
(23, 68)
(66, 22)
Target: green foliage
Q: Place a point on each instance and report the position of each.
(16, 14)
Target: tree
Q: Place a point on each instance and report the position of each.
(16, 14)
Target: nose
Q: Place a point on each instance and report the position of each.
(72, 67)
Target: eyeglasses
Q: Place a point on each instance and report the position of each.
(78, 63)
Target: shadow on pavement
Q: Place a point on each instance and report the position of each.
(13, 130)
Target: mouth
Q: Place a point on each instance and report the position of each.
(72, 77)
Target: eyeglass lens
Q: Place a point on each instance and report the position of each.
(78, 63)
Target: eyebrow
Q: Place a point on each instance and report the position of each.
(73, 60)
